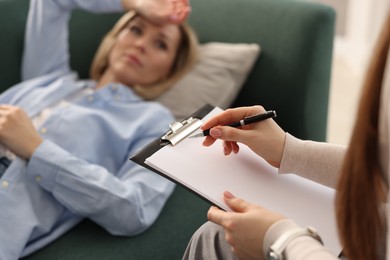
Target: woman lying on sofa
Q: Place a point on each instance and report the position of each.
(67, 141)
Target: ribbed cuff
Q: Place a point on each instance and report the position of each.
(275, 231)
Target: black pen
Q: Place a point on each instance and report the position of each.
(245, 121)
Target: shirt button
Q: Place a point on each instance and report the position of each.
(4, 184)
(117, 97)
(38, 178)
(90, 98)
(43, 130)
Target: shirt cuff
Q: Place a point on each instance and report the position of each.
(43, 165)
(98, 6)
(115, 6)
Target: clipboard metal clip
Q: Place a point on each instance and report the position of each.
(180, 130)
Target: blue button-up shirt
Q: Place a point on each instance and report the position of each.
(82, 169)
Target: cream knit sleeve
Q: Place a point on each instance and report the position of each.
(301, 248)
(319, 162)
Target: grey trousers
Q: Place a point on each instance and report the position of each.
(208, 243)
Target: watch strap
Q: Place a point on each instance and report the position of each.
(276, 250)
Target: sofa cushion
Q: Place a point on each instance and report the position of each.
(216, 78)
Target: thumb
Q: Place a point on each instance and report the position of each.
(228, 133)
(236, 204)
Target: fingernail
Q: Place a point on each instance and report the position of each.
(215, 132)
(173, 17)
(225, 150)
(228, 195)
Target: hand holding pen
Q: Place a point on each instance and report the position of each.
(246, 121)
(264, 137)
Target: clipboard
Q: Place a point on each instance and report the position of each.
(206, 172)
(178, 131)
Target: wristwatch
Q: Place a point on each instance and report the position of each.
(276, 250)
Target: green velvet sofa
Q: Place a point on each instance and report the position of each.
(292, 76)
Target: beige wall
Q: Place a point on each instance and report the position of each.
(340, 6)
(357, 26)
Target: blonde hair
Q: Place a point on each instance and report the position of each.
(185, 57)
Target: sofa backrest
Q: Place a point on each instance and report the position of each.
(291, 76)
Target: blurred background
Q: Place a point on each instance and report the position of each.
(357, 25)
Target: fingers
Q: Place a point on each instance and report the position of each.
(230, 147)
(181, 10)
(236, 204)
(216, 215)
(232, 115)
(219, 131)
(5, 106)
(222, 217)
(228, 133)
(160, 12)
(7, 110)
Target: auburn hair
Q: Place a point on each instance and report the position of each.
(186, 56)
(362, 185)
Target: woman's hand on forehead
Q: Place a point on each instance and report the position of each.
(160, 11)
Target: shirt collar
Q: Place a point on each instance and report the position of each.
(118, 92)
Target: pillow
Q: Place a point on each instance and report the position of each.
(216, 78)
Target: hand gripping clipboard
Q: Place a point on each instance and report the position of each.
(207, 173)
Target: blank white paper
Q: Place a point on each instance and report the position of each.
(208, 172)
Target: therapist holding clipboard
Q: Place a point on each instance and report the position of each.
(359, 174)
